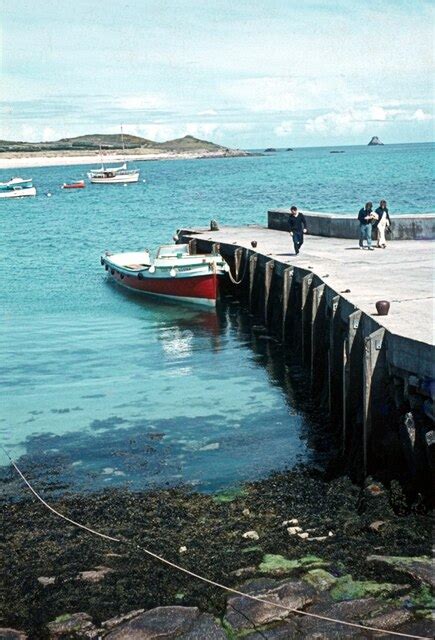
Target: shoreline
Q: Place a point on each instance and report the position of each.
(22, 161)
(238, 537)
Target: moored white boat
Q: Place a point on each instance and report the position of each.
(113, 175)
(17, 188)
(173, 274)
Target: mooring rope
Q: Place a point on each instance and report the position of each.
(233, 280)
(199, 577)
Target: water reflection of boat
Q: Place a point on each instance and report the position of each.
(17, 188)
(173, 274)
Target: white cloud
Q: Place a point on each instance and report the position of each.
(283, 129)
(141, 102)
(420, 116)
(48, 134)
(359, 120)
(338, 123)
(208, 112)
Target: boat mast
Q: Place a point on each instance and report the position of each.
(101, 156)
(122, 142)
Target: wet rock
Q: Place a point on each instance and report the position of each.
(251, 535)
(242, 613)
(94, 575)
(11, 634)
(419, 568)
(390, 619)
(184, 623)
(320, 579)
(244, 572)
(46, 580)
(376, 525)
(348, 589)
(72, 625)
(292, 531)
(114, 622)
(285, 631)
(352, 611)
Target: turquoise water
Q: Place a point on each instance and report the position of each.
(100, 387)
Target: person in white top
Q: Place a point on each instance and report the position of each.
(382, 224)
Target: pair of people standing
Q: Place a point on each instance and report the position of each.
(379, 219)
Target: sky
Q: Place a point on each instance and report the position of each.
(241, 73)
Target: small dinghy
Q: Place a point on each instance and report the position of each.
(80, 184)
(173, 274)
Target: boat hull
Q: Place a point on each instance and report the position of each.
(116, 179)
(197, 289)
(74, 185)
(18, 193)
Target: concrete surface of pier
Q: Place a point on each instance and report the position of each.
(375, 375)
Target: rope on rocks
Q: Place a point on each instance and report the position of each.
(203, 578)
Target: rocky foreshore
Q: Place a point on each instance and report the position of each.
(296, 538)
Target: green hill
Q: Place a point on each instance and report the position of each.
(93, 142)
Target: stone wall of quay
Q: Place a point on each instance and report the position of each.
(333, 225)
(375, 387)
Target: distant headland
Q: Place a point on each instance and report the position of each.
(88, 149)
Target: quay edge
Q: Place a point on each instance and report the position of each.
(376, 385)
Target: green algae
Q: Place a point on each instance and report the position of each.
(275, 564)
(63, 618)
(229, 495)
(346, 588)
(320, 579)
(422, 598)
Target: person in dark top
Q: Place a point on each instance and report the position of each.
(382, 224)
(297, 227)
(365, 217)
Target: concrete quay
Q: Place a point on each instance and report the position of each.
(375, 375)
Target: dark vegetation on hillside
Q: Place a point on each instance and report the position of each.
(94, 141)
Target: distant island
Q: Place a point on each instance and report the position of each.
(89, 149)
(375, 141)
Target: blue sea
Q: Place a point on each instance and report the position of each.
(101, 388)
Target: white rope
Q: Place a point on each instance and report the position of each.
(233, 280)
(207, 580)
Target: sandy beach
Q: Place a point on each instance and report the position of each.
(53, 159)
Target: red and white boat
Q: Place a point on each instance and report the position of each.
(80, 184)
(173, 274)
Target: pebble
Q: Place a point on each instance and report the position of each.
(293, 521)
(246, 512)
(182, 549)
(294, 530)
(251, 535)
(304, 535)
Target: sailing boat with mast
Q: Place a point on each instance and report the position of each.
(115, 175)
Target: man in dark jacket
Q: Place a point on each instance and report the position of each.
(297, 227)
(365, 218)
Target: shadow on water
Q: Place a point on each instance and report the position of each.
(210, 448)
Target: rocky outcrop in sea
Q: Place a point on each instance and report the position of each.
(375, 141)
